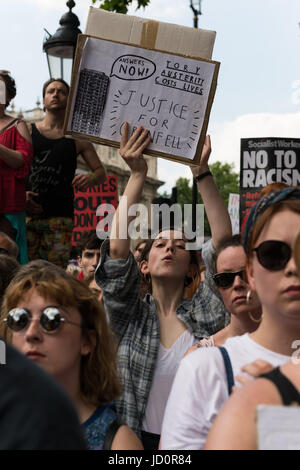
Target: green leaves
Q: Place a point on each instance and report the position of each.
(120, 6)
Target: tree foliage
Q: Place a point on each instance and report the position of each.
(226, 180)
(120, 6)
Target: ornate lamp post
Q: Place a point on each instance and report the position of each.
(60, 47)
(197, 12)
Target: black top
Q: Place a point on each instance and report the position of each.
(51, 174)
(35, 412)
(289, 394)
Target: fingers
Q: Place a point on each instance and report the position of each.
(136, 144)
(257, 368)
(243, 379)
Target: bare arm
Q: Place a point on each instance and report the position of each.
(235, 426)
(217, 213)
(89, 154)
(131, 150)
(126, 439)
(13, 158)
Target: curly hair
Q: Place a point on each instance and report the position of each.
(10, 85)
(99, 381)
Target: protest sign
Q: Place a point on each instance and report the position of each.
(234, 212)
(265, 161)
(86, 203)
(278, 427)
(168, 94)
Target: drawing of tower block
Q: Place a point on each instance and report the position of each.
(90, 102)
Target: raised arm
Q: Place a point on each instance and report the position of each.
(131, 150)
(217, 213)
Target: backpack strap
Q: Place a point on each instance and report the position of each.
(228, 368)
(111, 434)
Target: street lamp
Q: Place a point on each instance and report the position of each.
(197, 12)
(60, 47)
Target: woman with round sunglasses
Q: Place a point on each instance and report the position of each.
(204, 379)
(155, 332)
(15, 159)
(58, 323)
(230, 278)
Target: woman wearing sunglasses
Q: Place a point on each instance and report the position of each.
(230, 278)
(15, 159)
(59, 324)
(203, 382)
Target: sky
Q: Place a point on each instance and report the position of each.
(257, 44)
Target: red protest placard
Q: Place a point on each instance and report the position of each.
(87, 202)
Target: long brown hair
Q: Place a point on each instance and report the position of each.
(99, 382)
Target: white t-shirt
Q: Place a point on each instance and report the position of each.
(200, 389)
(166, 367)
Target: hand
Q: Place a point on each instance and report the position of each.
(32, 207)
(84, 181)
(131, 150)
(254, 369)
(203, 164)
(191, 349)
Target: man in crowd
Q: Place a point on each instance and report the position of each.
(88, 254)
(51, 182)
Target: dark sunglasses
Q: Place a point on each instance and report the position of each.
(3, 251)
(51, 319)
(226, 280)
(273, 254)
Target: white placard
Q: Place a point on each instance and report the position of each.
(2, 92)
(234, 212)
(165, 93)
(278, 427)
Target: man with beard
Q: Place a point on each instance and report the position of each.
(50, 194)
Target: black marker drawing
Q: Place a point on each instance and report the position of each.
(90, 102)
(132, 67)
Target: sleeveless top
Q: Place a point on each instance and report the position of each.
(12, 181)
(96, 426)
(52, 171)
(289, 394)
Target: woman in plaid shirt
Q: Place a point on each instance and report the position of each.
(155, 332)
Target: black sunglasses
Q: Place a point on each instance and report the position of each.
(226, 280)
(3, 251)
(51, 319)
(273, 254)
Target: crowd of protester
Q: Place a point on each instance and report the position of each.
(141, 349)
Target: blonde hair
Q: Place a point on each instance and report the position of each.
(99, 381)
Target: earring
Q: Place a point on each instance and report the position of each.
(248, 297)
(255, 320)
(248, 300)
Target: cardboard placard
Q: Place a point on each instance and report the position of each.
(171, 95)
(264, 161)
(86, 204)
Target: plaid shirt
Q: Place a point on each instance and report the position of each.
(135, 323)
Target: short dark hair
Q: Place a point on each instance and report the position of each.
(10, 85)
(88, 241)
(234, 240)
(51, 80)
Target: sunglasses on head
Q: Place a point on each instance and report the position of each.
(226, 280)
(51, 319)
(273, 254)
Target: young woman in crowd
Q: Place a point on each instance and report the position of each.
(244, 309)
(57, 322)
(15, 158)
(202, 383)
(155, 332)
